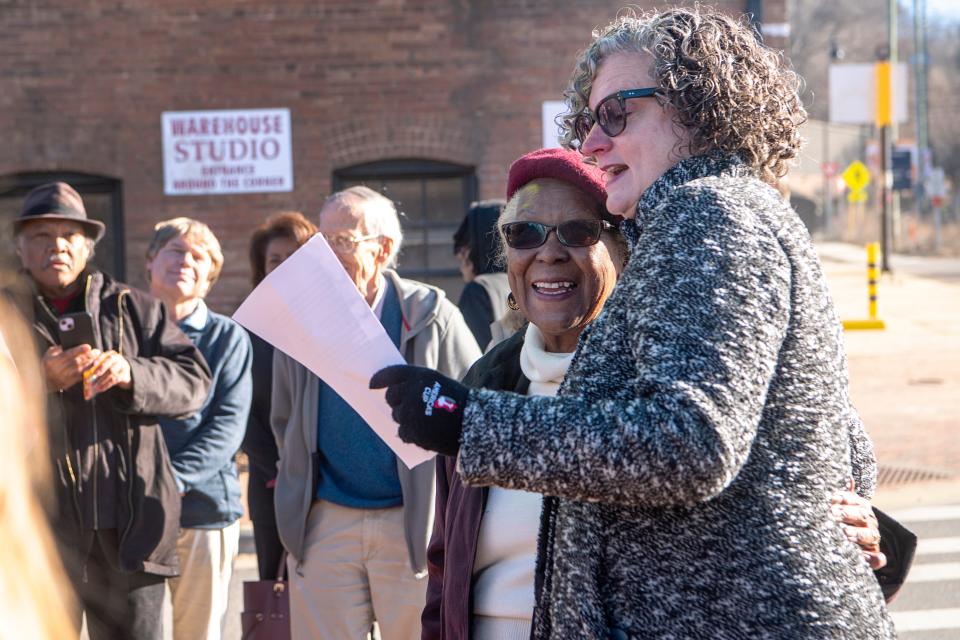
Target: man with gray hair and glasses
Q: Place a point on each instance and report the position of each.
(353, 518)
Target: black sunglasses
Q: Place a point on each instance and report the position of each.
(572, 233)
(611, 114)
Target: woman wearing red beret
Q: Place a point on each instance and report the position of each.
(481, 557)
(705, 417)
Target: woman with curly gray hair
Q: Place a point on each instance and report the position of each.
(705, 417)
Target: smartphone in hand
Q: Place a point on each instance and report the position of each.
(76, 329)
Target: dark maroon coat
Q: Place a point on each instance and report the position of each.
(453, 545)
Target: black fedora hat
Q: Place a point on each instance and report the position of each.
(57, 201)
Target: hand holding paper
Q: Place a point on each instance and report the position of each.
(310, 309)
(426, 404)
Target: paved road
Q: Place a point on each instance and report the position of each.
(245, 568)
(928, 606)
(905, 380)
(936, 267)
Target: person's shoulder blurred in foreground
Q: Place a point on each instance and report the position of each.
(34, 599)
(705, 418)
(273, 242)
(118, 506)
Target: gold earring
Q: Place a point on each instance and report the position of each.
(512, 302)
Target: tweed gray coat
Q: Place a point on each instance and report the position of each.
(701, 428)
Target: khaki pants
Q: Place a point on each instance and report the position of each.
(199, 596)
(355, 569)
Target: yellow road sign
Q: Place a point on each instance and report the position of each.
(857, 196)
(856, 176)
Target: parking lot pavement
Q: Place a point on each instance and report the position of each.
(904, 380)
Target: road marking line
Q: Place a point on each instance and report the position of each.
(938, 572)
(938, 545)
(926, 619)
(927, 514)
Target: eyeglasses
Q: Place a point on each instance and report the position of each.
(572, 233)
(611, 114)
(345, 244)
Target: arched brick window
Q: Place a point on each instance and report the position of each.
(433, 197)
(102, 197)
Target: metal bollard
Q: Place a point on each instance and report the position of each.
(873, 275)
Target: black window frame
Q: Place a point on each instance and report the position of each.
(413, 169)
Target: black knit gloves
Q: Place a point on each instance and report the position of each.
(427, 405)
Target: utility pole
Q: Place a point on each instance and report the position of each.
(893, 36)
(884, 120)
(836, 54)
(920, 65)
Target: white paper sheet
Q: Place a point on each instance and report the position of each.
(310, 309)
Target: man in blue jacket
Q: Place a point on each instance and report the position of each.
(183, 262)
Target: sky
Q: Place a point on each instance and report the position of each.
(943, 8)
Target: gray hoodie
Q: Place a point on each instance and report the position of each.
(433, 335)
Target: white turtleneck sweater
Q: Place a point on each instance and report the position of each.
(504, 567)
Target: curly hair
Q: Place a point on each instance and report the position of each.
(291, 225)
(729, 91)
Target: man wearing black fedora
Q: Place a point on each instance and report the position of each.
(117, 506)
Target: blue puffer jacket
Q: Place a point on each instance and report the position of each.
(203, 446)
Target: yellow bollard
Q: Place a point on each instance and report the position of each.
(873, 274)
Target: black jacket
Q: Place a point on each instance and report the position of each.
(258, 442)
(112, 467)
(484, 299)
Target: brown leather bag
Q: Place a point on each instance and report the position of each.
(266, 607)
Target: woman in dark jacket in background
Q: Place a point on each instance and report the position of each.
(477, 245)
(272, 243)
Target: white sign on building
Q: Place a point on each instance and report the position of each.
(225, 151)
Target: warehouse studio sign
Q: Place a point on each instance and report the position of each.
(214, 152)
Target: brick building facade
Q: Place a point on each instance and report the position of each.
(431, 98)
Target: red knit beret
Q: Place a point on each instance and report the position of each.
(560, 164)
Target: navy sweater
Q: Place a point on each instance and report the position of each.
(202, 446)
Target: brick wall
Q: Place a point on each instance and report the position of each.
(83, 84)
